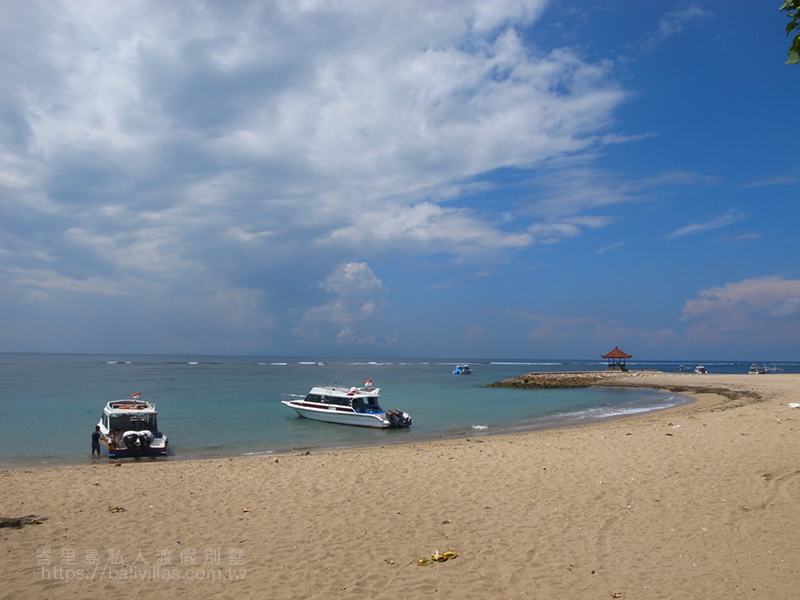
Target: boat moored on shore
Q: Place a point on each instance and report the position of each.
(347, 406)
(129, 428)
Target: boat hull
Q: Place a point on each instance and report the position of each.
(157, 448)
(375, 421)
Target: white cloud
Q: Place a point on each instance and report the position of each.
(609, 248)
(551, 232)
(674, 23)
(357, 295)
(729, 218)
(252, 147)
(761, 310)
(47, 284)
(426, 227)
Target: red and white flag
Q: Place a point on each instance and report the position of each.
(368, 382)
(136, 396)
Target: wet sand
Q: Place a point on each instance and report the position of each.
(699, 501)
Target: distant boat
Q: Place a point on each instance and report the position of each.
(700, 369)
(758, 370)
(462, 370)
(683, 368)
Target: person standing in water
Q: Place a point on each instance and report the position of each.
(96, 435)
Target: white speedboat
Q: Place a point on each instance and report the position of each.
(347, 406)
(462, 370)
(700, 369)
(130, 428)
(757, 370)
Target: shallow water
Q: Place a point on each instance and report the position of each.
(227, 406)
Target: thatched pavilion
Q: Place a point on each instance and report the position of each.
(616, 359)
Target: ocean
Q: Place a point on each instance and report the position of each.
(230, 406)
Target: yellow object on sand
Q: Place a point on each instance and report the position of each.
(446, 555)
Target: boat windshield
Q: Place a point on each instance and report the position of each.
(127, 422)
(368, 404)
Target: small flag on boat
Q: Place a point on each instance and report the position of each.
(368, 382)
(137, 395)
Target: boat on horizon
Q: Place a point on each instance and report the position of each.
(759, 369)
(347, 406)
(129, 428)
(462, 370)
(700, 369)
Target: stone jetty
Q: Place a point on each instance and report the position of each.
(577, 379)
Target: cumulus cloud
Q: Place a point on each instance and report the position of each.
(205, 146)
(764, 310)
(356, 297)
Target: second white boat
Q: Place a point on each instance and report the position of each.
(347, 406)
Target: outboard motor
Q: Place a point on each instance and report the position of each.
(398, 418)
(145, 438)
(131, 440)
(138, 440)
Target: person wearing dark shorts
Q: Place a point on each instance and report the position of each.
(96, 435)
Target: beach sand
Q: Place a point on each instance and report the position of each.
(700, 501)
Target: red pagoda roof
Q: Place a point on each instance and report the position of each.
(617, 353)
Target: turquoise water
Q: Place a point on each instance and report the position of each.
(228, 406)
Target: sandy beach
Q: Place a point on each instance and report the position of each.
(700, 501)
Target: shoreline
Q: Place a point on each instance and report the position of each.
(696, 501)
(559, 421)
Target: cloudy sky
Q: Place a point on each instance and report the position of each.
(425, 178)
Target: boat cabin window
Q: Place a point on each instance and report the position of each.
(338, 401)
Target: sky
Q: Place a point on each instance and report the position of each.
(432, 178)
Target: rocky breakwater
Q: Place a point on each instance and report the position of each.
(564, 380)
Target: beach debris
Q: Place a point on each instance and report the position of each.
(20, 521)
(115, 509)
(245, 510)
(794, 404)
(436, 557)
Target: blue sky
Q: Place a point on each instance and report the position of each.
(497, 179)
